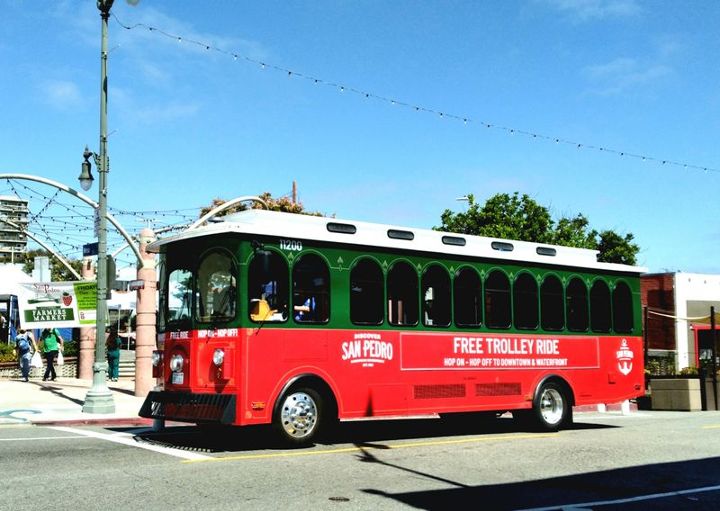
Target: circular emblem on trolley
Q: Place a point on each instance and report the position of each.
(625, 358)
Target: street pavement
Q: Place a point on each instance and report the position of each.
(61, 402)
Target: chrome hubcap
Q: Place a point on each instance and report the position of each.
(299, 415)
(551, 406)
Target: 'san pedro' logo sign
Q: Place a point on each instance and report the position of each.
(367, 349)
(625, 358)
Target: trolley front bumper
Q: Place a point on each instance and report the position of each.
(189, 407)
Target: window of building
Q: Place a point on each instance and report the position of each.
(577, 305)
(216, 283)
(436, 296)
(622, 308)
(467, 290)
(402, 290)
(366, 293)
(498, 312)
(268, 287)
(525, 302)
(600, 307)
(551, 304)
(311, 290)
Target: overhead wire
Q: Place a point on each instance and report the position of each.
(465, 119)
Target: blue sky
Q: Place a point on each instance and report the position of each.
(190, 124)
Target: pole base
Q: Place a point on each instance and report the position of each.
(99, 402)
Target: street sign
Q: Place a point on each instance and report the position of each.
(90, 249)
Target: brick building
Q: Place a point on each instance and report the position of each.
(678, 315)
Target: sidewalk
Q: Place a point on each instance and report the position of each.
(61, 402)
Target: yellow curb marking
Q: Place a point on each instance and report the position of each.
(359, 449)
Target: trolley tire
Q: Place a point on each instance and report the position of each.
(299, 416)
(551, 408)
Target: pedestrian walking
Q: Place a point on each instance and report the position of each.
(52, 342)
(25, 347)
(113, 343)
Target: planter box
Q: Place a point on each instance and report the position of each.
(676, 394)
(67, 370)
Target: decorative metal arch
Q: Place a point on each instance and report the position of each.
(43, 245)
(224, 206)
(83, 198)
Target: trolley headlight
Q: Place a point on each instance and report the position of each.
(156, 358)
(218, 357)
(176, 363)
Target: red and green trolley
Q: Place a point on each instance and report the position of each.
(300, 321)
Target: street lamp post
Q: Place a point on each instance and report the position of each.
(99, 399)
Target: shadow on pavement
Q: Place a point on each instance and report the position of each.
(685, 485)
(58, 391)
(216, 439)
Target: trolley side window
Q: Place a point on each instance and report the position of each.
(436, 296)
(311, 290)
(600, 307)
(268, 287)
(525, 302)
(367, 292)
(402, 290)
(551, 304)
(622, 308)
(498, 311)
(467, 289)
(577, 306)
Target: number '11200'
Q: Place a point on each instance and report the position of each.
(295, 245)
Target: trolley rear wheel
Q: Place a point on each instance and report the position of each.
(551, 407)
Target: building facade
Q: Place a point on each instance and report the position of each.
(13, 226)
(678, 314)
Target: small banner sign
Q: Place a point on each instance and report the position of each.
(90, 249)
(58, 305)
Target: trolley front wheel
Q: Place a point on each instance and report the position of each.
(299, 416)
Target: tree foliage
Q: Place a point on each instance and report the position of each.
(58, 271)
(283, 204)
(521, 218)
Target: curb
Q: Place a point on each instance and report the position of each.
(116, 421)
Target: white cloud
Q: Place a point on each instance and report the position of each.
(587, 10)
(623, 74)
(61, 94)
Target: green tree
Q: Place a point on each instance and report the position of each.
(58, 271)
(615, 248)
(575, 232)
(502, 216)
(283, 204)
(522, 218)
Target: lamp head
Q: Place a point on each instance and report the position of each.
(86, 177)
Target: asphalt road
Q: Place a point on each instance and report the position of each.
(647, 460)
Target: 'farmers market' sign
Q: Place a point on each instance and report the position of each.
(58, 305)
